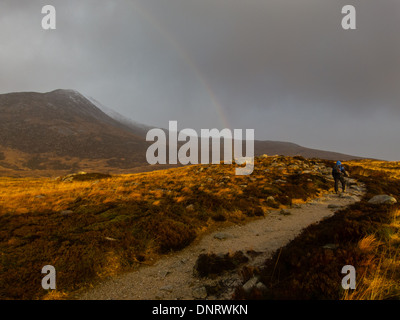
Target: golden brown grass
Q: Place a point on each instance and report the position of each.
(389, 169)
(382, 280)
(91, 230)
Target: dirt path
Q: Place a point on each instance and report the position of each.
(172, 276)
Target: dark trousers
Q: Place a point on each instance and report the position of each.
(342, 181)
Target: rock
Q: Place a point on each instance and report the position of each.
(285, 212)
(262, 287)
(110, 239)
(382, 199)
(355, 198)
(271, 198)
(40, 196)
(327, 171)
(164, 273)
(190, 207)
(223, 236)
(168, 288)
(347, 196)
(333, 206)
(199, 293)
(351, 182)
(66, 212)
(249, 285)
(330, 246)
(355, 187)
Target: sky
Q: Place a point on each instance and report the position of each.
(285, 68)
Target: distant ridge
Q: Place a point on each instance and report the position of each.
(292, 149)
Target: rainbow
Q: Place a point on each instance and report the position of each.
(186, 57)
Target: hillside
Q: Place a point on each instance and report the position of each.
(100, 226)
(135, 127)
(60, 132)
(292, 149)
(63, 131)
(93, 226)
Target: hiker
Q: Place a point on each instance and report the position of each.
(338, 173)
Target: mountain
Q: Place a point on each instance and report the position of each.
(45, 134)
(63, 130)
(136, 127)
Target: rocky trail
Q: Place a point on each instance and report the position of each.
(173, 277)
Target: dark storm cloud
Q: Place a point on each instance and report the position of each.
(283, 67)
(293, 47)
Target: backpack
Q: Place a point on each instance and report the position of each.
(337, 170)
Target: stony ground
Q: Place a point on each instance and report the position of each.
(173, 276)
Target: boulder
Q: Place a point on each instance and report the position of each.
(356, 187)
(382, 199)
(110, 239)
(285, 212)
(199, 293)
(167, 288)
(223, 236)
(66, 212)
(331, 246)
(164, 273)
(262, 287)
(249, 285)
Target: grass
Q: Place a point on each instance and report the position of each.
(366, 236)
(92, 229)
(382, 280)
